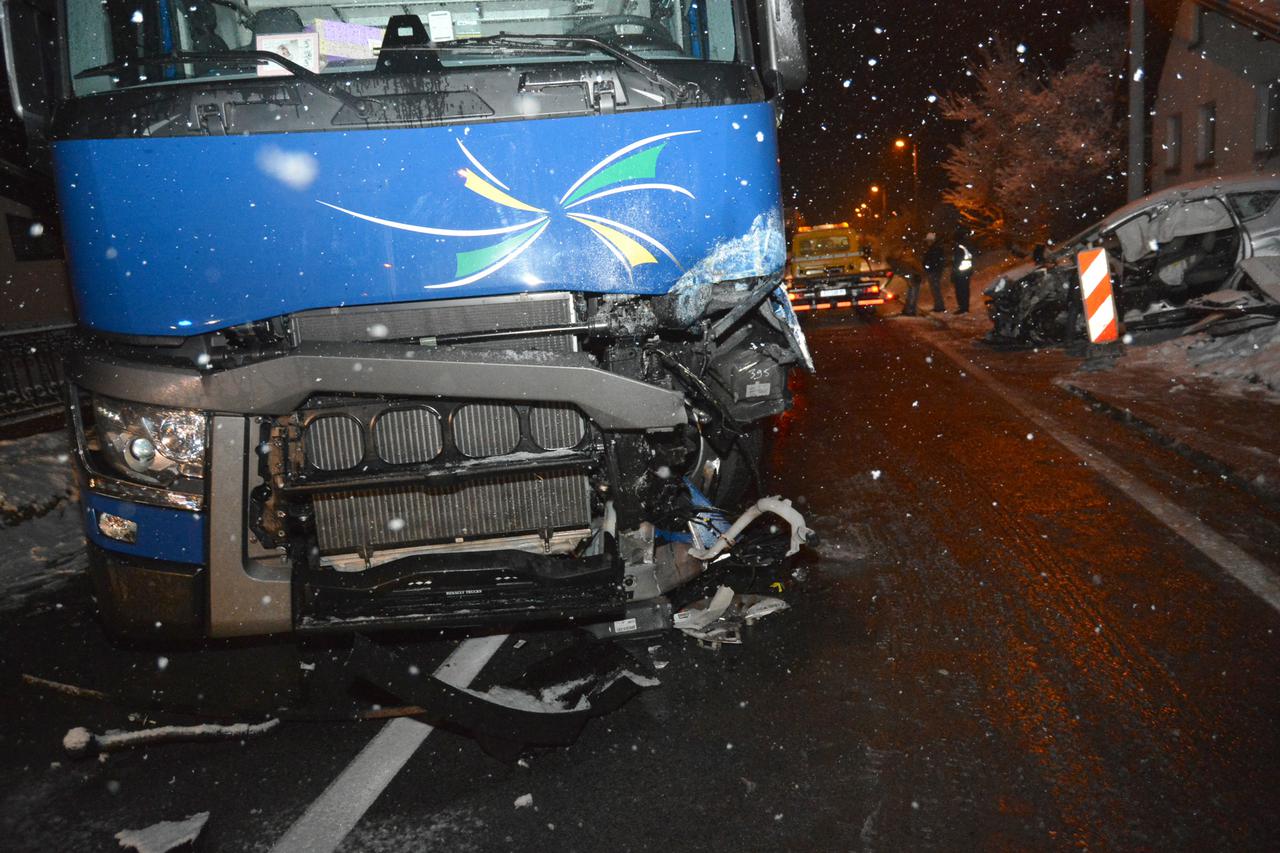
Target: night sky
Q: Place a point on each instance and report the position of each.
(873, 67)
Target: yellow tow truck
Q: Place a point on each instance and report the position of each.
(836, 266)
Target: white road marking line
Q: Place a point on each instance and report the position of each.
(1231, 558)
(329, 819)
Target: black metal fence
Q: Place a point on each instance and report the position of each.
(31, 373)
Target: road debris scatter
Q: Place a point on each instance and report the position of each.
(79, 741)
(163, 836)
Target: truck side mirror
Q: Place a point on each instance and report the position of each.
(29, 33)
(784, 48)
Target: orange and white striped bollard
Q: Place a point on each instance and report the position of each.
(1095, 290)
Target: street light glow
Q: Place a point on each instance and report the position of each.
(875, 188)
(900, 144)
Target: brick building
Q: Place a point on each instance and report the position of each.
(1217, 109)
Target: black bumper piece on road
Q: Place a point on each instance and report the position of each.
(143, 598)
(462, 590)
(605, 676)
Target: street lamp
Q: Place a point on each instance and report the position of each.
(901, 145)
(884, 199)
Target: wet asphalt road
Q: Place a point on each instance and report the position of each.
(992, 648)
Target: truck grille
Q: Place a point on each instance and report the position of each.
(524, 502)
(388, 474)
(408, 434)
(335, 442)
(556, 427)
(486, 430)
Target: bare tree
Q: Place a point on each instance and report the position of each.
(1038, 153)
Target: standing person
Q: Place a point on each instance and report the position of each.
(934, 261)
(904, 265)
(962, 269)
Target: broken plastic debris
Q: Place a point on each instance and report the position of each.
(164, 836)
(762, 607)
(547, 706)
(719, 619)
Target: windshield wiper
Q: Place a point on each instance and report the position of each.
(680, 91)
(240, 57)
(483, 45)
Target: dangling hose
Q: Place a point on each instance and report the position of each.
(800, 534)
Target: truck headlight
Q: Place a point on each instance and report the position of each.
(148, 444)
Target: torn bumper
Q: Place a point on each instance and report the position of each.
(463, 590)
(280, 385)
(144, 598)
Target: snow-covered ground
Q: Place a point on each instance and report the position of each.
(41, 543)
(1247, 364)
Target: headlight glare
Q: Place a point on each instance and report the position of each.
(148, 444)
(180, 436)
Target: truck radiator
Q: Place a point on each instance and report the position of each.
(453, 470)
(518, 502)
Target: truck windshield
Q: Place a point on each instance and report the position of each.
(112, 39)
(828, 244)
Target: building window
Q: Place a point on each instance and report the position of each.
(1267, 126)
(1197, 29)
(1205, 127)
(1173, 143)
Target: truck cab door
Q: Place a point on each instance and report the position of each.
(33, 66)
(783, 46)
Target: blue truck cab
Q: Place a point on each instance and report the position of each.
(413, 314)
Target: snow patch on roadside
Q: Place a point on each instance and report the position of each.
(1238, 365)
(41, 540)
(35, 476)
(40, 555)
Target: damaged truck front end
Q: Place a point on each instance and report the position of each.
(479, 328)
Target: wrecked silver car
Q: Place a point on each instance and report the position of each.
(1168, 252)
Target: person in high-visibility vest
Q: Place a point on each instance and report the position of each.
(962, 268)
